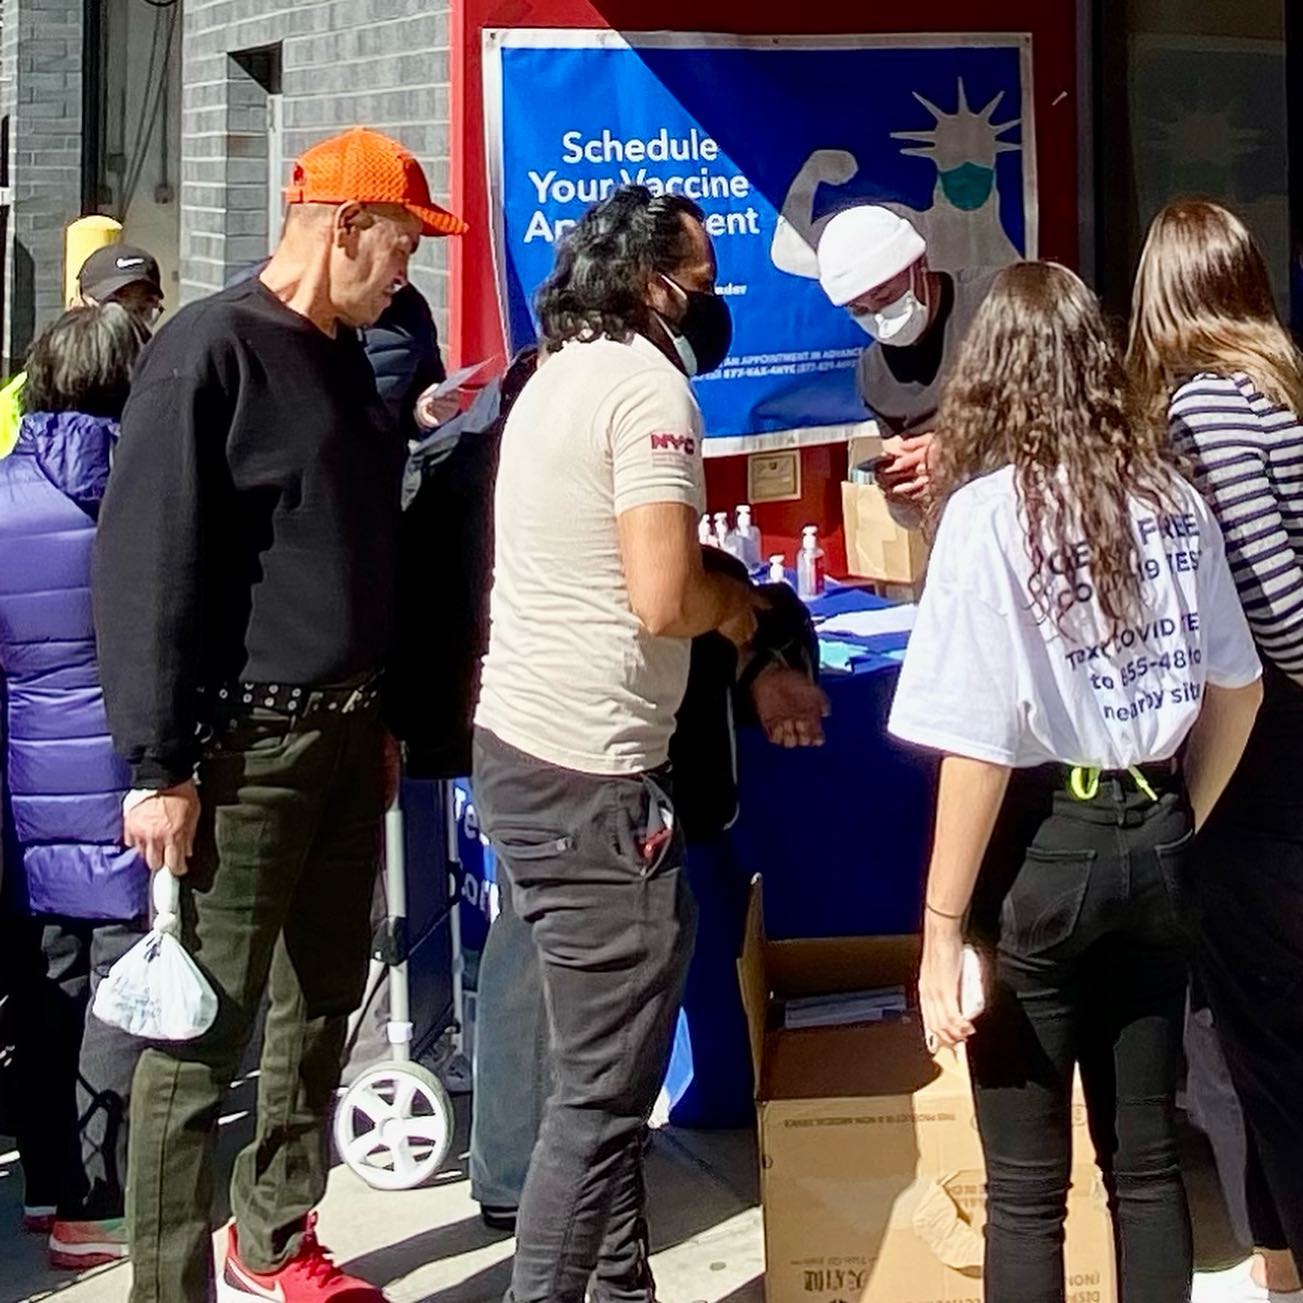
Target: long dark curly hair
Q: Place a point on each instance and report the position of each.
(597, 288)
(1039, 385)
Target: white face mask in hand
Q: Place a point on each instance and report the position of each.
(899, 324)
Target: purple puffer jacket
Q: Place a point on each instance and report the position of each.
(65, 782)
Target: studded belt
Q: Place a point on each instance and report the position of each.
(297, 702)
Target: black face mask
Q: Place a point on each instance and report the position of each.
(703, 337)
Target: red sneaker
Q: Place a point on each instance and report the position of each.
(306, 1278)
(78, 1246)
(38, 1219)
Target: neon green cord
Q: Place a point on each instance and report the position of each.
(1083, 783)
(1143, 784)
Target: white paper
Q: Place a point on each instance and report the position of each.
(869, 624)
(457, 379)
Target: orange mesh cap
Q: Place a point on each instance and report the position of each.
(365, 167)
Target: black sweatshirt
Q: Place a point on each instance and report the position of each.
(249, 529)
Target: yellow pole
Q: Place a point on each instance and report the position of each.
(80, 240)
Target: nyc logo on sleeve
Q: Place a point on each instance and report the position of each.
(684, 445)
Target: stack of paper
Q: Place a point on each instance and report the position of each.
(845, 1008)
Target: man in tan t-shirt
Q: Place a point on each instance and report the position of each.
(598, 589)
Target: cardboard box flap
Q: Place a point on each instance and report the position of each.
(863, 447)
(826, 965)
(753, 978)
(857, 1062)
(868, 1059)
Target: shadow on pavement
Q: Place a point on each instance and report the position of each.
(407, 1256)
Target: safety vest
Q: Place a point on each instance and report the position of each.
(11, 412)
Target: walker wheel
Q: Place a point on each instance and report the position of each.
(394, 1126)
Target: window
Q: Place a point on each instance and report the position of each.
(1191, 98)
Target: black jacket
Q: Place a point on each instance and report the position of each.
(445, 574)
(403, 348)
(718, 701)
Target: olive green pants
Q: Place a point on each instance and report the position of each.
(278, 898)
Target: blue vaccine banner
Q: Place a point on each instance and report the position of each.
(771, 136)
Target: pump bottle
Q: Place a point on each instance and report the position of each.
(748, 537)
(809, 564)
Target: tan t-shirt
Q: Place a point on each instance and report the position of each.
(571, 676)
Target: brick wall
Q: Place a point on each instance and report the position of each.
(374, 63)
(40, 94)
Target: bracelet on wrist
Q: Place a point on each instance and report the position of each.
(941, 913)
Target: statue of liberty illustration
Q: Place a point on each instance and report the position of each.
(962, 228)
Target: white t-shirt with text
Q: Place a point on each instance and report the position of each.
(571, 675)
(988, 678)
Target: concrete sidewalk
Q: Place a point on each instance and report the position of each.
(429, 1244)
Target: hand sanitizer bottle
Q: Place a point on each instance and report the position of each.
(809, 564)
(748, 538)
(727, 538)
(778, 568)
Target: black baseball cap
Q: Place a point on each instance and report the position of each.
(111, 269)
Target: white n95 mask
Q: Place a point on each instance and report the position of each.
(899, 324)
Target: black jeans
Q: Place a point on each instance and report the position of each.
(596, 871)
(72, 1073)
(1085, 905)
(1250, 957)
(513, 1072)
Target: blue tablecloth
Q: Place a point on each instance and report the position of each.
(840, 833)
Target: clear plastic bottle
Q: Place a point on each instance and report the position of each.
(748, 537)
(778, 568)
(727, 538)
(809, 564)
(706, 533)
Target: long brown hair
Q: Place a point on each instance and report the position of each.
(1203, 302)
(1039, 385)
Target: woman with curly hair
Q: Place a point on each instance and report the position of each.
(1213, 365)
(1080, 632)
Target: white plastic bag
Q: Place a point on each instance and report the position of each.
(155, 990)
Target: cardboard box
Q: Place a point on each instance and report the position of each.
(877, 547)
(863, 447)
(872, 1175)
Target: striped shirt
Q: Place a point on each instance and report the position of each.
(1248, 458)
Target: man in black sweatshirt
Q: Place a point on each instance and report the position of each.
(244, 597)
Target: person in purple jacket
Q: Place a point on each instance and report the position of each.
(74, 899)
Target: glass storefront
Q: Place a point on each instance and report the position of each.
(1194, 97)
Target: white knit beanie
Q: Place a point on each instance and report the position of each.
(864, 247)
